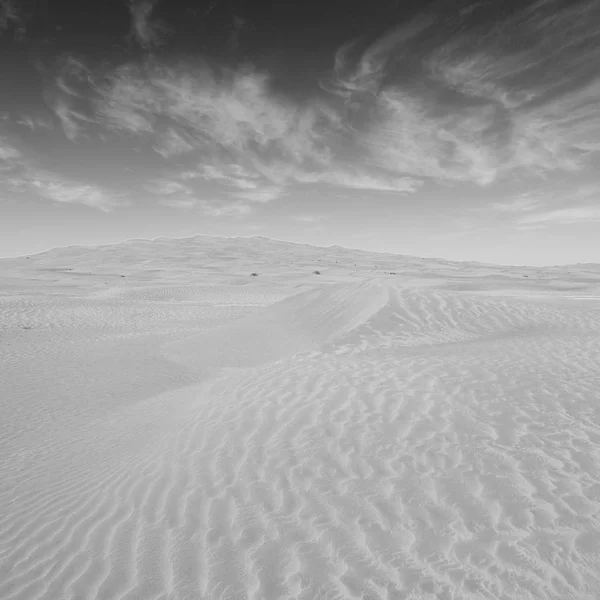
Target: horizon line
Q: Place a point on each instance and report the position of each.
(231, 237)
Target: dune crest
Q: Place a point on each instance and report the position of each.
(296, 324)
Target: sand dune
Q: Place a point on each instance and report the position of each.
(294, 325)
(287, 436)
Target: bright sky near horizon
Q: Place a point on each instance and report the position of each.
(464, 130)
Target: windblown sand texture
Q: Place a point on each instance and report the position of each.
(395, 428)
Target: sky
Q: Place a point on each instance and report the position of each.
(455, 129)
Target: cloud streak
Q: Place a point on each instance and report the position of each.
(556, 205)
(148, 32)
(13, 16)
(50, 186)
(563, 216)
(446, 98)
(478, 109)
(227, 117)
(172, 193)
(521, 203)
(8, 153)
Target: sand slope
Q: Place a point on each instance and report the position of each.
(297, 324)
(349, 440)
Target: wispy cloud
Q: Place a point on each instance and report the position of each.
(171, 192)
(366, 75)
(307, 219)
(422, 102)
(563, 216)
(362, 180)
(234, 209)
(476, 108)
(214, 208)
(34, 123)
(232, 174)
(239, 113)
(232, 114)
(549, 205)
(254, 187)
(68, 94)
(180, 202)
(12, 15)
(8, 153)
(253, 140)
(172, 143)
(69, 118)
(337, 174)
(521, 203)
(20, 174)
(266, 194)
(145, 29)
(168, 187)
(53, 187)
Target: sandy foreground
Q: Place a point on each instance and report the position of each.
(172, 427)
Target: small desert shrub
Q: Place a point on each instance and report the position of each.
(254, 274)
(316, 272)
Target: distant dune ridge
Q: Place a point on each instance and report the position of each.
(189, 431)
(176, 263)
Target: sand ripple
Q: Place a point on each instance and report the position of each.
(361, 442)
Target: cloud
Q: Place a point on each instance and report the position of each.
(68, 93)
(266, 194)
(253, 140)
(338, 174)
(405, 137)
(212, 172)
(211, 209)
(167, 187)
(235, 209)
(557, 204)
(172, 144)
(231, 111)
(468, 104)
(244, 184)
(121, 119)
(174, 194)
(521, 203)
(13, 15)
(235, 176)
(367, 181)
(34, 123)
(69, 118)
(180, 202)
(368, 73)
(53, 187)
(271, 179)
(562, 216)
(560, 134)
(306, 219)
(146, 31)
(8, 153)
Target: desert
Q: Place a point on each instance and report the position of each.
(392, 428)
